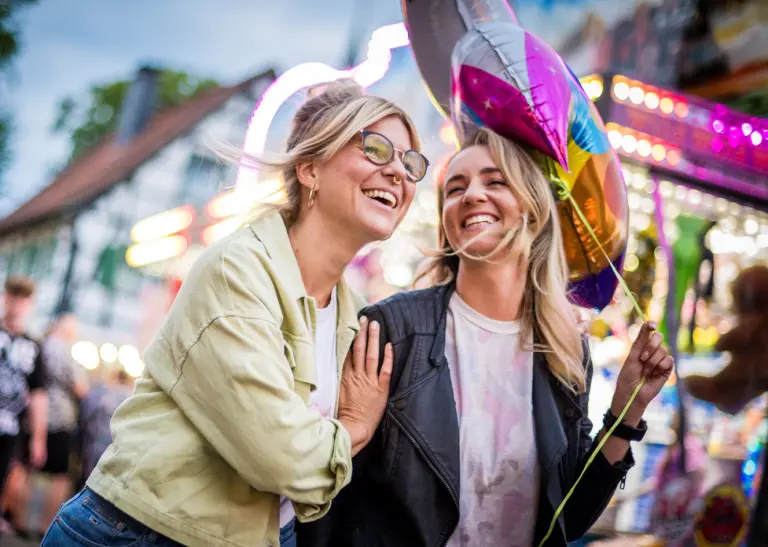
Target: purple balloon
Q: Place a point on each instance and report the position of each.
(596, 290)
(509, 80)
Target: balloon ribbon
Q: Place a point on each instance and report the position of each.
(564, 192)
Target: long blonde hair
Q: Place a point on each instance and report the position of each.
(546, 311)
(333, 114)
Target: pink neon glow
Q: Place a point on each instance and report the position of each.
(757, 138)
(734, 137)
(718, 126)
(746, 129)
(370, 71)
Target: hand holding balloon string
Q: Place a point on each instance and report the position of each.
(644, 374)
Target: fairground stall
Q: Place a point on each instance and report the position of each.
(697, 175)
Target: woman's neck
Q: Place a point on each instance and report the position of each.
(322, 255)
(494, 290)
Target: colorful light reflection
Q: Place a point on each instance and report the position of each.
(383, 41)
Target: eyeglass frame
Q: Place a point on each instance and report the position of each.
(395, 150)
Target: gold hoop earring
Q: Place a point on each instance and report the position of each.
(311, 197)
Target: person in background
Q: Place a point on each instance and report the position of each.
(96, 411)
(22, 381)
(66, 384)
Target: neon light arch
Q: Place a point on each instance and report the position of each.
(383, 41)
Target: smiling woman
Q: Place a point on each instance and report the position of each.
(240, 423)
(486, 434)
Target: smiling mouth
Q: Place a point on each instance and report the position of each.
(382, 196)
(479, 220)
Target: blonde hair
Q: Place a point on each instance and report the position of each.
(333, 114)
(546, 311)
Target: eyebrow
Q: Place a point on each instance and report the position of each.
(483, 171)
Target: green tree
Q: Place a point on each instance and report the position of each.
(88, 121)
(10, 44)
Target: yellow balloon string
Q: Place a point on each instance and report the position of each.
(565, 192)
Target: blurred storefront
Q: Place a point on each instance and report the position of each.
(716, 49)
(697, 175)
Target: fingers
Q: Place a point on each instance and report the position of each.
(652, 346)
(386, 368)
(646, 332)
(664, 368)
(372, 353)
(653, 361)
(359, 345)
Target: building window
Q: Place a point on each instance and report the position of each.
(203, 179)
(30, 257)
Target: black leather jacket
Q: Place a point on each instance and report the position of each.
(404, 490)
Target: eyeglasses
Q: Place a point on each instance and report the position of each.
(380, 151)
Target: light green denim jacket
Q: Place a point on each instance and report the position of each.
(219, 426)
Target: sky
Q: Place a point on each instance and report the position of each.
(70, 45)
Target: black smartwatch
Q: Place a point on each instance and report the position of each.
(623, 431)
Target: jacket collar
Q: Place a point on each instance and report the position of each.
(270, 229)
(443, 297)
(551, 399)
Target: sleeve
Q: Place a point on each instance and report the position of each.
(600, 480)
(236, 387)
(37, 378)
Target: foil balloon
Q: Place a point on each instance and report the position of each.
(483, 69)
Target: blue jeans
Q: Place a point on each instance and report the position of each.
(288, 535)
(89, 520)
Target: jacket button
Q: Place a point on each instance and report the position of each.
(570, 413)
(400, 404)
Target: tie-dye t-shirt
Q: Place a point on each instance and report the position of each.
(492, 384)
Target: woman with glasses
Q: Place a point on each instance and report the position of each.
(243, 421)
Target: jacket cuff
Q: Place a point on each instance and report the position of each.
(619, 469)
(340, 467)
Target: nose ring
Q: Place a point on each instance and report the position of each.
(397, 180)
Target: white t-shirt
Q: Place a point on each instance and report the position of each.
(323, 399)
(492, 384)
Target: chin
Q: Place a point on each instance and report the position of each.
(378, 231)
(480, 247)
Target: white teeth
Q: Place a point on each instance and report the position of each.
(382, 194)
(479, 219)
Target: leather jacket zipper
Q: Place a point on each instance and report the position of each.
(426, 459)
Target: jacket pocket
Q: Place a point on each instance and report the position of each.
(301, 359)
(416, 384)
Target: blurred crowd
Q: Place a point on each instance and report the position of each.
(54, 414)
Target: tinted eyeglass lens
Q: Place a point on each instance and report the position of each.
(415, 164)
(377, 148)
